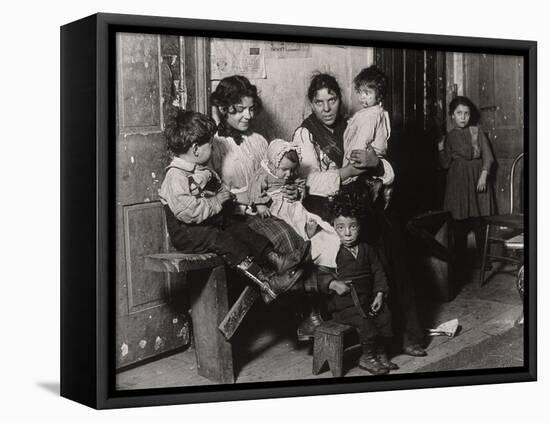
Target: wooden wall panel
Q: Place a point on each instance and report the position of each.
(151, 309)
(145, 289)
(152, 314)
(495, 84)
(139, 101)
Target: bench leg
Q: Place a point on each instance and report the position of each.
(238, 310)
(208, 307)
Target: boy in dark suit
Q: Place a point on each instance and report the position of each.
(359, 292)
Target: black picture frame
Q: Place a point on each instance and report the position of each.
(87, 215)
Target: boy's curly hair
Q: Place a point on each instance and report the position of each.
(186, 128)
(348, 204)
(374, 78)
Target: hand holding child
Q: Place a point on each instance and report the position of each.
(340, 287)
(364, 159)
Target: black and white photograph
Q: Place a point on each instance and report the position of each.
(288, 211)
(275, 211)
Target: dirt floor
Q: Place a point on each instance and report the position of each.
(265, 346)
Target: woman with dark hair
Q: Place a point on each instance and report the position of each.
(321, 138)
(237, 152)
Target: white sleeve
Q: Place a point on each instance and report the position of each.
(319, 182)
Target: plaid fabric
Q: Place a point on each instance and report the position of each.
(285, 239)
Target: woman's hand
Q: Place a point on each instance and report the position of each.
(482, 182)
(290, 192)
(348, 171)
(263, 210)
(378, 302)
(364, 159)
(340, 287)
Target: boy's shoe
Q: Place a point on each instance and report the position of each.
(415, 351)
(369, 362)
(306, 328)
(270, 283)
(383, 359)
(282, 283)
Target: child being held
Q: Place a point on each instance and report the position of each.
(279, 169)
(370, 127)
(194, 197)
(358, 293)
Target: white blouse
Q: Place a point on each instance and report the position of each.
(320, 172)
(237, 164)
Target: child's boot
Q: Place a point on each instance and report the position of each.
(313, 319)
(306, 328)
(369, 362)
(382, 356)
(270, 283)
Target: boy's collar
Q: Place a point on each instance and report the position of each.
(183, 164)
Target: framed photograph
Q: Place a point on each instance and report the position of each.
(259, 211)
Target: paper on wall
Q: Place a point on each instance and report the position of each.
(237, 57)
(287, 50)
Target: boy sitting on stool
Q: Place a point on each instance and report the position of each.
(358, 293)
(194, 197)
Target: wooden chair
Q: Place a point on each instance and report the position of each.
(495, 232)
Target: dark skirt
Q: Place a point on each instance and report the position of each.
(461, 196)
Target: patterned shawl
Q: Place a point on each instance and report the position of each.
(332, 143)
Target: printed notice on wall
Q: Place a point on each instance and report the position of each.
(232, 57)
(286, 50)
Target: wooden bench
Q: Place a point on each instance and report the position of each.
(213, 321)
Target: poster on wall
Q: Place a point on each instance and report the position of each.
(230, 57)
(287, 50)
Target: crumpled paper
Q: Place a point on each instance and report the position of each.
(448, 328)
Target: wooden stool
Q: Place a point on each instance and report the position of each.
(328, 347)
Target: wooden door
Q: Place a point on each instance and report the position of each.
(495, 85)
(155, 74)
(415, 100)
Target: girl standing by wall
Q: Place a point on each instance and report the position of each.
(467, 155)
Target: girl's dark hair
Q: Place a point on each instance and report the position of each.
(323, 80)
(374, 78)
(461, 100)
(187, 128)
(292, 156)
(231, 90)
(348, 204)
